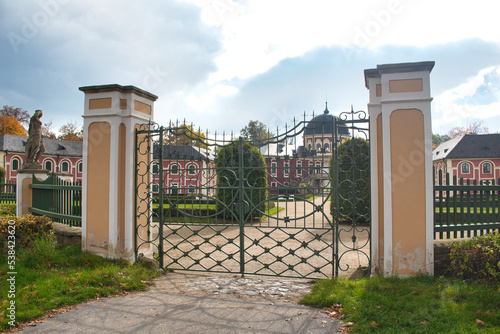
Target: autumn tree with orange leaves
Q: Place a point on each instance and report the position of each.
(11, 126)
(474, 128)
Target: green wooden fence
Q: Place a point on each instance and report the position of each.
(58, 199)
(464, 208)
(7, 192)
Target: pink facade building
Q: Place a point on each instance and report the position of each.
(472, 157)
(59, 157)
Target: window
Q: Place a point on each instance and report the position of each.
(318, 147)
(273, 168)
(465, 168)
(174, 169)
(48, 165)
(173, 189)
(191, 189)
(309, 147)
(287, 168)
(299, 168)
(273, 184)
(155, 169)
(486, 168)
(80, 167)
(15, 164)
(65, 166)
(155, 188)
(326, 147)
(192, 169)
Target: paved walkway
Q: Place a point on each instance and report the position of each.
(184, 302)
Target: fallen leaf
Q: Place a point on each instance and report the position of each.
(2, 319)
(479, 322)
(423, 323)
(373, 324)
(355, 309)
(488, 312)
(349, 324)
(157, 314)
(297, 313)
(378, 306)
(324, 322)
(479, 313)
(289, 319)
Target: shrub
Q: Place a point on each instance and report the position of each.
(7, 209)
(353, 161)
(254, 175)
(27, 229)
(477, 259)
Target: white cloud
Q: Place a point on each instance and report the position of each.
(478, 98)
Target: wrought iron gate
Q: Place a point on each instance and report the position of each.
(267, 206)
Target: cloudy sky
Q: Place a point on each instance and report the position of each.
(222, 63)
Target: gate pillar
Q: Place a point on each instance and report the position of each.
(112, 113)
(401, 168)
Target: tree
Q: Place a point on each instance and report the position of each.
(22, 116)
(353, 161)
(11, 126)
(47, 132)
(185, 135)
(474, 128)
(70, 132)
(254, 176)
(256, 132)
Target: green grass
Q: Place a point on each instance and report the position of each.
(422, 304)
(273, 211)
(188, 206)
(51, 277)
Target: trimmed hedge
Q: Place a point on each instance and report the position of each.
(477, 259)
(254, 175)
(27, 229)
(353, 180)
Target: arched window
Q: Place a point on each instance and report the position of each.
(80, 167)
(309, 147)
(48, 165)
(192, 169)
(465, 168)
(318, 146)
(155, 169)
(486, 168)
(65, 166)
(15, 164)
(174, 169)
(326, 147)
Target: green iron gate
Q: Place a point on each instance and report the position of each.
(215, 202)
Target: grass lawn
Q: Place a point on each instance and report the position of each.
(50, 277)
(422, 304)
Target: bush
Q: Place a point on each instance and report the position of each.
(353, 163)
(27, 229)
(477, 259)
(7, 209)
(254, 175)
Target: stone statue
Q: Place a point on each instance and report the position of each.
(34, 145)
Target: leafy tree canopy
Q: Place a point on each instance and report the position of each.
(11, 126)
(256, 132)
(22, 116)
(70, 132)
(185, 135)
(474, 128)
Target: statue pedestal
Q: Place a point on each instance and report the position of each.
(23, 190)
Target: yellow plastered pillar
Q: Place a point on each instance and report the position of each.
(401, 168)
(112, 113)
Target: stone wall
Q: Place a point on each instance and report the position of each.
(66, 235)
